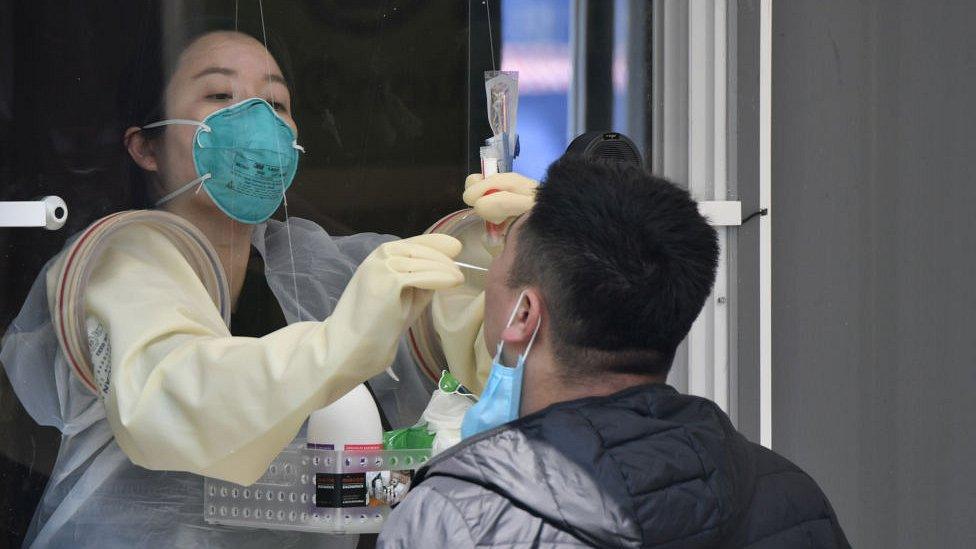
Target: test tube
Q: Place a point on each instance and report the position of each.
(490, 160)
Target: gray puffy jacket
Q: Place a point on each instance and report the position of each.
(646, 467)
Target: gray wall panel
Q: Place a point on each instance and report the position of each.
(873, 262)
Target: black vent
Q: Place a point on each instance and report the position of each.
(609, 145)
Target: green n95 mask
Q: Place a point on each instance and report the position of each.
(245, 156)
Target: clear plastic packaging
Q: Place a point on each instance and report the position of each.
(498, 154)
(501, 93)
(302, 486)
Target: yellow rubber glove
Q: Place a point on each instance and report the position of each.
(187, 396)
(458, 313)
(515, 195)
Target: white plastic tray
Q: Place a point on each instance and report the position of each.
(285, 497)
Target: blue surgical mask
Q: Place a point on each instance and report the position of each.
(502, 397)
(246, 157)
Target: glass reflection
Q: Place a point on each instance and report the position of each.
(385, 127)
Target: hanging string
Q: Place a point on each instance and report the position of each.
(281, 179)
(491, 37)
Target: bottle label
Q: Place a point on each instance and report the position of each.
(367, 489)
(341, 490)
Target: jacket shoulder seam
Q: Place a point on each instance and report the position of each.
(633, 512)
(453, 505)
(503, 498)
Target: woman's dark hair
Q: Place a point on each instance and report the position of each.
(142, 86)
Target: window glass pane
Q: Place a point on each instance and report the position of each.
(386, 99)
(376, 93)
(536, 42)
(578, 71)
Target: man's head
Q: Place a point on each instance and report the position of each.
(615, 263)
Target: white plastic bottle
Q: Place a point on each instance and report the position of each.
(350, 423)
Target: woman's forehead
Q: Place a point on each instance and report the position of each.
(227, 50)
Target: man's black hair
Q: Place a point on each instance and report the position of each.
(624, 262)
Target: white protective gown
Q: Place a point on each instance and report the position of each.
(96, 496)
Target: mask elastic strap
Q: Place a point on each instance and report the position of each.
(522, 357)
(177, 121)
(198, 181)
(511, 318)
(284, 198)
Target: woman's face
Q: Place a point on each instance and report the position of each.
(217, 70)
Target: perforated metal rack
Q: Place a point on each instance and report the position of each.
(284, 498)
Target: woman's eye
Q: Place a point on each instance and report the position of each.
(220, 96)
(280, 107)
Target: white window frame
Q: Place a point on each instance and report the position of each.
(693, 85)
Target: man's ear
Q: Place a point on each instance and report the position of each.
(527, 319)
(141, 149)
